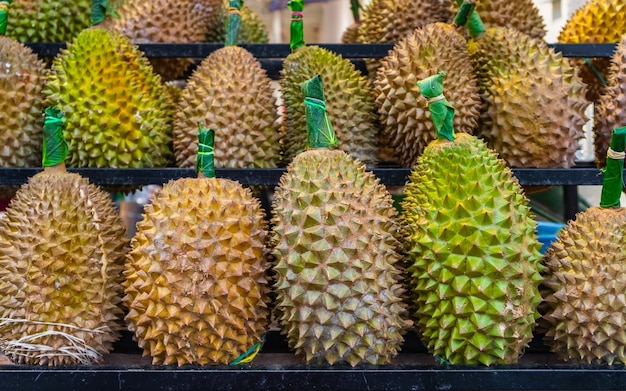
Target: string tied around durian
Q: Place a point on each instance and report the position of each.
(595, 70)
(249, 354)
(55, 148)
(472, 22)
(76, 348)
(4, 15)
(441, 111)
(320, 132)
(205, 160)
(233, 23)
(100, 9)
(613, 181)
(296, 28)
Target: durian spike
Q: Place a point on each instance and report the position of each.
(205, 166)
(441, 111)
(4, 15)
(613, 181)
(297, 27)
(473, 23)
(55, 148)
(100, 9)
(233, 23)
(320, 131)
(355, 6)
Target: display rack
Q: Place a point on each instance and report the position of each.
(276, 368)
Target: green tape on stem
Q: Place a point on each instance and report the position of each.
(233, 23)
(100, 9)
(4, 15)
(441, 111)
(55, 148)
(613, 181)
(296, 27)
(319, 129)
(205, 161)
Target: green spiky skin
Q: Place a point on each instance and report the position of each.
(62, 248)
(196, 284)
(533, 102)
(586, 280)
(596, 21)
(116, 110)
(231, 93)
(48, 20)
(349, 103)
(251, 30)
(402, 110)
(336, 245)
(474, 254)
(610, 110)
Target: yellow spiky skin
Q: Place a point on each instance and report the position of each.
(251, 30)
(186, 21)
(350, 103)
(116, 110)
(336, 248)
(586, 280)
(474, 254)
(610, 110)
(48, 20)
(195, 279)
(351, 34)
(596, 21)
(402, 110)
(62, 248)
(231, 93)
(534, 102)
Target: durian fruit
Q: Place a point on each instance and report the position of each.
(230, 92)
(472, 247)
(402, 110)
(596, 21)
(116, 108)
(22, 77)
(62, 246)
(350, 98)
(522, 15)
(335, 241)
(610, 109)
(252, 29)
(586, 276)
(196, 285)
(533, 102)
(185, 21)
(351, 34)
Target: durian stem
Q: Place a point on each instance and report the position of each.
(473, 23)
(4, 15)
(441, 111)
(233, 23)
(319, 129)
(296, 28)
(55, 148)
(465, 10)
(613, 181)
(205, 162)
(100, 9)
(355, 6)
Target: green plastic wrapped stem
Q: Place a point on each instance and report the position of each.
(100, 9)
(4, 15)
(441, 111)
(355, 6)
(465, 11)
(296, 27)
(319, 129)
(205, 162)
(473, 23)
(233, 23)
(55, 148)
(613, 181)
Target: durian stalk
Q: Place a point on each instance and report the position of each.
(205, 166)
(613, 181)
(296, 27)
(355, 6)
(465, 11)
(4, 15)
(100, 9)
(441, 111)
(233, 23)
(473, 23)
(319, 129)
(55, 148)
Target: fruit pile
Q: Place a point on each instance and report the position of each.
(332, 263)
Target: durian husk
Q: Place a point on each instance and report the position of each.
(351, 33)
(186, 21)
(596, 21)
(474, 254)
(62, 248)
(252, 29)
(231, 93)
(586, 279)
(115, 107)
(402, 111)
(335, 241)
(533, 102)
(196, 285)
(610, 109)
(350, 103)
